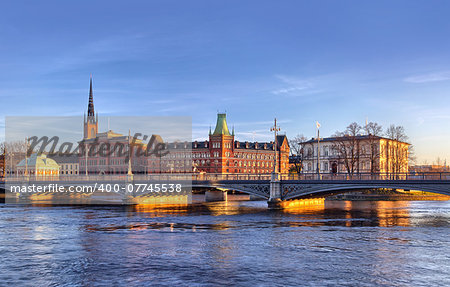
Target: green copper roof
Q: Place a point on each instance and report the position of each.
(221, 126)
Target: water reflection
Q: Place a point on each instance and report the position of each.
(235, 242)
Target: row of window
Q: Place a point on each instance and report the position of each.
(240, 163)
(69, 166)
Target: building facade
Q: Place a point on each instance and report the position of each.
(39, 167)
(223, 154)
(68, 163)
(93, 159)
(220, 153)
(429, 168)
(2, 166)
(354, 154)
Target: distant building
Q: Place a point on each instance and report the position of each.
(223, 154)
(358, 154)
(68, 163)
(2, 166)
(429, 168)
(38, 167)
(116, 162)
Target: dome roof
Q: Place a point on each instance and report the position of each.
(40, 161)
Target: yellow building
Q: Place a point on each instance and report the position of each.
(39, 167)
(357, 154)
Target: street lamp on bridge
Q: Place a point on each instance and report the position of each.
(275, 129)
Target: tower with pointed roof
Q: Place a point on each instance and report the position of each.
(221, 145)
(91, 121)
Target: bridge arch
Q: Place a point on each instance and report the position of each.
(261, 191)
(331, 189)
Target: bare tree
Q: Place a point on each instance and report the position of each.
(14, 151)
(397, 153)
(412, 158)
(373, 131)
(2, 148)
(347, 147)
(15, 147)
(297, 152)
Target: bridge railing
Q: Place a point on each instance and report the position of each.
(243, 177)
(368, 176)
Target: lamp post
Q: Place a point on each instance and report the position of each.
(318, 150)
(11, 164)
(275, 184)
(130, 172)
(86, 159)
(275, 129)
(26, 158)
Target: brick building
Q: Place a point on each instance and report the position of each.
(223, 154)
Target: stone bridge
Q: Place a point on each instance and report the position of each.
(291, 189)
(276, 188)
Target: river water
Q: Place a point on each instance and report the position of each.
(227, 243)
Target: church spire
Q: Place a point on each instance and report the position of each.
(91, 121)
(91, 101)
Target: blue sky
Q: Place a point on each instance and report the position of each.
(300, 61)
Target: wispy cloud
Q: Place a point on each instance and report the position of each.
(160, 102)
(431, 77)
(288, 90)
(295, 87)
